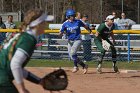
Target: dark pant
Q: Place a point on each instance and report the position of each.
(87, 49)
(98, 43)
(6, 85)
(8, 89)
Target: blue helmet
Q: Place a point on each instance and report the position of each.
(70, 12)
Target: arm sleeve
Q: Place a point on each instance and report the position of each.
(63, 28)
(86, 26)
(18, 72)
(26, 45)
(16, 66)
(100, 28)
(82, 23)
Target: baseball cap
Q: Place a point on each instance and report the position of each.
(109, 17)
(85, 15)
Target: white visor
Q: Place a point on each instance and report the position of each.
(109, 17)
(42, 18)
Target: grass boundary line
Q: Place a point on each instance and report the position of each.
(90, 69)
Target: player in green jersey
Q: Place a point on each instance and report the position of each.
(17, 51)
(103, 32)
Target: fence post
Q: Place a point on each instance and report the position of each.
(128, 45)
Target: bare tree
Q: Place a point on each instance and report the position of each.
(2, 5)
(93, 8)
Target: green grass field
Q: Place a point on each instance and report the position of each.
(92, 64)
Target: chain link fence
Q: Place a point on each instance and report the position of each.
(51, 46)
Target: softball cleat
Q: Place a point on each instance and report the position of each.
(75, 69)
(115, 68)
(85, 69)
(99, 69)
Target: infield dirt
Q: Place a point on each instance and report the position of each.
(107, 82)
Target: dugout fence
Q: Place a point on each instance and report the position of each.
(50, 46)
(127, 46)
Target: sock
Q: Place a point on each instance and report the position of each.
(100, 59)
(99, 65)
(114, 60)
(114, 63)
(75, 60)
(80, 62)
(75, 63)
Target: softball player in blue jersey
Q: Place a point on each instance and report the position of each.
(72, 29)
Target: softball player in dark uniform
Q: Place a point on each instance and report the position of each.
(103, 32)
(17, 51)
(73, 32)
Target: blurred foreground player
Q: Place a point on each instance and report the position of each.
(17, 51)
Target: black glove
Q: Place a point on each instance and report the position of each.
(55, 81)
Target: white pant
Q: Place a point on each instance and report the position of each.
(73, 47)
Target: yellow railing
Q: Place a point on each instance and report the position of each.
(83, 31)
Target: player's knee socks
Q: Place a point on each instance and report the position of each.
(100, 59)
(114, 63)
(80, 62)
(114, 60)
(103, 51)
(75, 63)
(75, 60)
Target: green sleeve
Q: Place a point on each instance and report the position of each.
(27, 44)
(100, 28)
